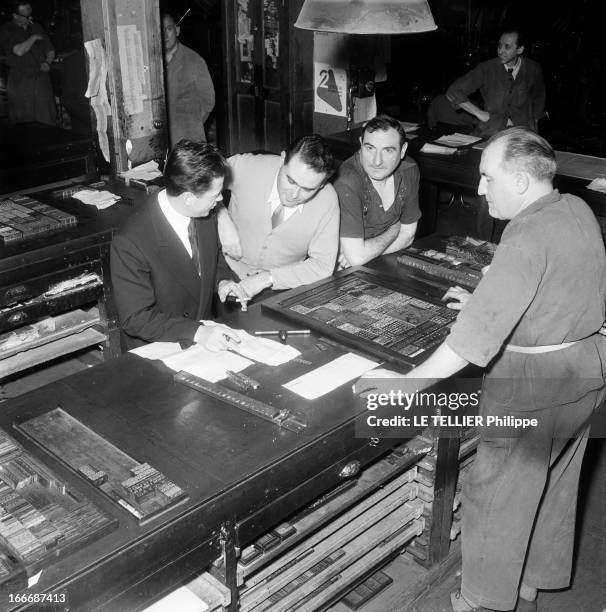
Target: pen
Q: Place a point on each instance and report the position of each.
(281, 332)
(229, 339)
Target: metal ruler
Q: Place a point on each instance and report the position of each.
(282, 417)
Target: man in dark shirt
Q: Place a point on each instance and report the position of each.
(533, 322)
(378, 191)
(29, 54)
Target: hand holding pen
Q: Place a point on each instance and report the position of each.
(216, 336)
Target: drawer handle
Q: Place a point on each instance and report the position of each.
(15, 291)
(16, 318)
(350, 469)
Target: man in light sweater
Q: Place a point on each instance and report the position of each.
(286, 214)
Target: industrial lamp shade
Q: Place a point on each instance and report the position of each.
(366, 16)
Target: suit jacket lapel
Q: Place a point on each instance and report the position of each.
(174, 255)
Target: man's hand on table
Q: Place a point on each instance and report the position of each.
(230, 287)
(458, 297)
(216, 336)
(251, 285)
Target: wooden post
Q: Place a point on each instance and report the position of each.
(131, 34)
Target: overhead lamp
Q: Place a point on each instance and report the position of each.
(366, 16)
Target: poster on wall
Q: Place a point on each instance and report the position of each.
(330, 89)
(331, 61)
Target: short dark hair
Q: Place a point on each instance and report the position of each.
(526, 150)
(314, 152)
(384, 123)
(15, 4)
(521, 39)
(193, 166)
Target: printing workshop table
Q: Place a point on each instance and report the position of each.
(242, 474)
(30, 268)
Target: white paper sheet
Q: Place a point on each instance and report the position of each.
(182, 599)
(94, 197)
(157, 350)
(264, 350)
(324, 379)
(209, 365)
(146, 172)
(437, 149)
(130, 49)
(97, 91)
(457, 140)
(598, 184)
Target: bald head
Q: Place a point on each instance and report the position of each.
(516, 169)
(525, 150)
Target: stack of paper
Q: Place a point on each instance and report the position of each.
(457, 140)
(94, 197)
(212, 365)
(145, 172)
(598, 184)
(432, 148)
(264, 350)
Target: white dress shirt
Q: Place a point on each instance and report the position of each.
(179, 223)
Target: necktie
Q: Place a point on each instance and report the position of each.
(278, 216)
(193, 241)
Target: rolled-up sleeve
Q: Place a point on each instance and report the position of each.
(496, 306)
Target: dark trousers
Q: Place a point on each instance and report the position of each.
(519, 504)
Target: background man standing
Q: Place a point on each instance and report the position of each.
(190, 94)
(533, 321)
(29, 54)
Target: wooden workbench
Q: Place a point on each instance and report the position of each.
(243, 475)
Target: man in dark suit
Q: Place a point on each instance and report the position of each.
(166, 260)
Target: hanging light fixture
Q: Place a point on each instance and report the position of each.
(366, 16)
